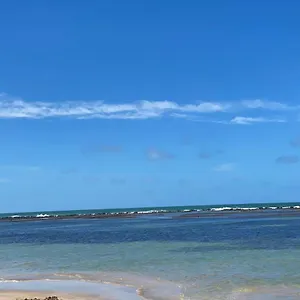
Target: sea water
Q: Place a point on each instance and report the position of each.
(235, 256)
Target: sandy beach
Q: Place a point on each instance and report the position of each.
(21, 295)
(65, 290)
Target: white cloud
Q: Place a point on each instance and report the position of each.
(154, 154)
(18, 108)
(251, 120)
(268, 105)
(14, 108)
(226, 167)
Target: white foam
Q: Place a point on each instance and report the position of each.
(248, 208)
(221, 208)
(42, 216)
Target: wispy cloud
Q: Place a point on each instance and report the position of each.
(110, 148)
(209, 154)
(154, 154)
(69, 171)
(118, 181)
(17, 108)
(205, 155)
(251, 120)
(287, 159)
(92, 179)
(295, 142)
(268, 105)
(226, 167)
(186, 141)
(4, 180)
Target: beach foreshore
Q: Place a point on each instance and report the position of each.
(102, 286)
(42, 289)
(21, 295)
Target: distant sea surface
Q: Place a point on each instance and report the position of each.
(255, 256)
(147, 210)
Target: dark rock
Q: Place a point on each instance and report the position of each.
(47, 298)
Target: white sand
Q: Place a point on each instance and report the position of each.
(16, 295)
(65, 290)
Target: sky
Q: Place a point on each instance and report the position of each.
(136, 103)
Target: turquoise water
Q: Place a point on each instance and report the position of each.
(235, 256)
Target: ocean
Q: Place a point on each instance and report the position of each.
(233, 256)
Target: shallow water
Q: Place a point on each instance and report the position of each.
(73, 286)
(212, 258)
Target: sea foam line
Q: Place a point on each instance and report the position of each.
(148, 212)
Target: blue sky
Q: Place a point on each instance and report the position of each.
(146, 103)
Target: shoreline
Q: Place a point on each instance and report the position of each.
(270, 211)
(102, 286)
(68, 289)
(87, 290)
(23, 294)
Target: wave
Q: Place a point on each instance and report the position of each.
(42, 216)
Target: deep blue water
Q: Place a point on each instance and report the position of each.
(247, 233)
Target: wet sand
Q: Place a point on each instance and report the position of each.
(21, 295)
(104, 286)
(65, 290)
